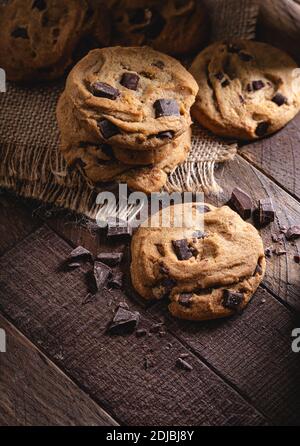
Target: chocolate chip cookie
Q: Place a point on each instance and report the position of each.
(135, 98)
(247, 89)
(172, 26)
(41, 38)
(208, 271)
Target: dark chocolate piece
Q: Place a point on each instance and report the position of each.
(245, 57)
(241, 202)
(114, 230)
(124, 321)
(166, 107)
(20, 32)
(266, 213)
(165, 135)
(185, 299)
(293, 233)
(101, 274)
(257, 85)
(108, 129)
(103, 90)
(262, 128)
(297, 258)
(116, 281)
(279, 99)
(130, 80)
(203, 209)
(225, 83)
(168, 283)
(79, 253)
(159, 64)
(232, 299)
(219, 75)
(182, 249)
(110, 258)
(182, 364)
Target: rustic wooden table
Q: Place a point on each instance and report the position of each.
(62, 368)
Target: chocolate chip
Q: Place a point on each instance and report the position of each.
(225, 83)
(245, 57)
(199, 234)
(159, 64)
(39, 4)
(130, 80)
(241, 202)
(115, 230)
(293, 233)
(116, 281)
(110, 258)
(297, 258)
(20, 32)
(182, 249)
(124, 321)
(257, 85)
(101, 274)
(266, 213)
(258, 270)
(279, 99)
(108, 129)
(182, 364)
(203, 209)
(262, 128)
(103, 90)
(166, 107)
(141, 333)
(79, 253)
(219, 75)
(165, 135)
(185, 299)
(232, 299)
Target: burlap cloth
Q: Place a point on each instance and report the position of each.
(32, 166)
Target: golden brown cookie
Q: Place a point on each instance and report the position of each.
(172, 26)
(208, 271)
(247, 89)
(40, 38)
(135, 98)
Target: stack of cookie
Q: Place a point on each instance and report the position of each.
(125, 116)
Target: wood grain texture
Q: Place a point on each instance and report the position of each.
(34, 392)
(283, 274)
(15, 221)
(110, 368)
(253, 351)
(279, 156)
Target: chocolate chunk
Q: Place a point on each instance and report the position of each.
(110, 258)
(79, 253)
(297, 258)
(108, 129)
(168, 283)
(159, 64)
(203, 209)
(241, 202)
(114, 230)
(257, 85)
(130, 80)
(232, 299)
(182, 364)
(293, 232)
(185, 299)
(101, 274)
(116, 280)
(166, 107)
(245, 57)
(219, 75)
(182, 249)
(262, 128)
(258, 270)
(225, 83)
(199, 234)
(20, 32)
(39, 4)
(266, 213)
(124, 321)
(165, 135)
(141, 333)
(279, 99)
(103, 90)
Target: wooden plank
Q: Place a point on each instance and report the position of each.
(15, 221)
(283, 273)
(46, 304)
(279, 156)
(253, 351)
(34, 392)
